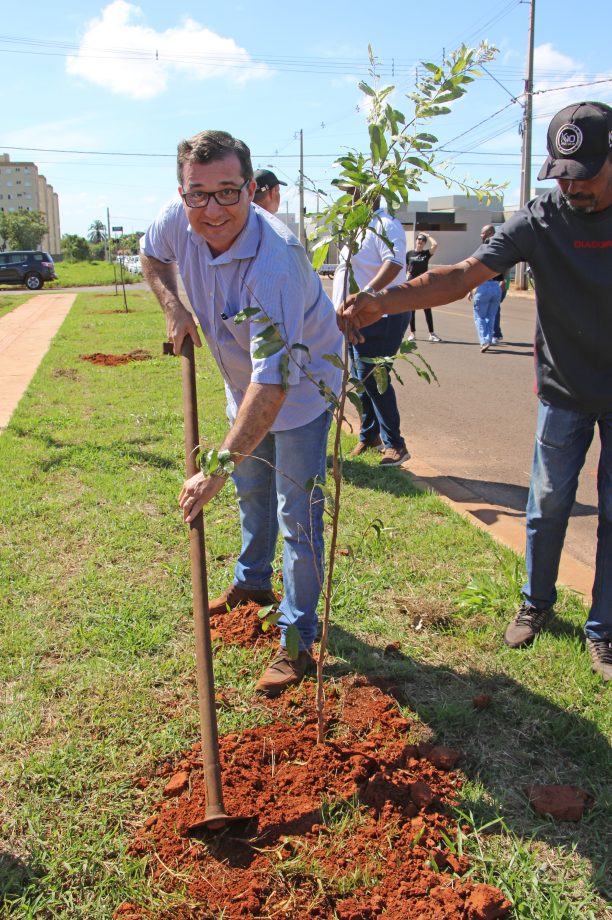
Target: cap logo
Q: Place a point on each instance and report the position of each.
(569, 139)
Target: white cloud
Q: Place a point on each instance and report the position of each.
(121, 53)
(558, 69)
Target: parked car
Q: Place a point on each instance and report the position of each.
(132, 264)
(28, 267)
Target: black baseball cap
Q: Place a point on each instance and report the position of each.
(266, 180)
(579, 140)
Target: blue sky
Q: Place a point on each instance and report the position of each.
(105, 90)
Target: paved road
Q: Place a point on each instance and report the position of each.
(478, 426)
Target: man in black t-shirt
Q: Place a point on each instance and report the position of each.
(566, 236)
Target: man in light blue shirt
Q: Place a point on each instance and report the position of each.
(232, 256)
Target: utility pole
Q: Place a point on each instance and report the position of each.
(301, 187)
(108, 236)
(521, 274)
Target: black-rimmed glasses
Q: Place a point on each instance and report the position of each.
(225, 196)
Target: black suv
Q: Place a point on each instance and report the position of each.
(29, 268)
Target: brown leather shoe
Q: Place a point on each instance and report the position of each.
(394, 456)
(362, 446)
(526, 624)
(283, 672)
(600, 651)
(235, 597)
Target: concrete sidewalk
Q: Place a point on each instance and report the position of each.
(25, 336)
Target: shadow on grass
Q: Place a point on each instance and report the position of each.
(68, 454)
(522, 738)
(16, 876)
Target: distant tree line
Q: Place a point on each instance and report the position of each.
(23, 229)
(96, 245)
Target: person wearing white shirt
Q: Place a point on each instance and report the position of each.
(377, 265)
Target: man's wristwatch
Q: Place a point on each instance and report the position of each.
(368, 289)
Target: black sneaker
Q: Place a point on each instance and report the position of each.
(600, 651)
(526, 624)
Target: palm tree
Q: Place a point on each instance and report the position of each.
(97, 232)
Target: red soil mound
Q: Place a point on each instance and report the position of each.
(115, 360)
(353, 828)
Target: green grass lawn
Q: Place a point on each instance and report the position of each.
(96, 653)
(85, 274)
(8, 302)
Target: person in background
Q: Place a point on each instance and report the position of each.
(417, 263)
(487, 298)
(566, 237)
(377, 265)
(267, 193)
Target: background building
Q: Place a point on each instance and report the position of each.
(21, 186)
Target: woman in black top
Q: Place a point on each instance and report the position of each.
(417, 262)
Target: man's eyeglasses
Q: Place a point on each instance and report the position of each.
(421, 239)
(225, 196)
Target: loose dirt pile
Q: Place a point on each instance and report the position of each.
(356, 828)
(115, 360)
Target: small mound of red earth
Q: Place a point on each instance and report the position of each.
(354, 828)
(243, 626)
(114, 360)
(563, 803)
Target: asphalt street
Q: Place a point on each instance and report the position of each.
(477, 426)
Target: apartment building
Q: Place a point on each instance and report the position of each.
(22, 186)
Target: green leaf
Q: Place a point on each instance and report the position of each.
(300, 347)
(359, 217)
(292, 642)
(266, 349)
(270, 334)
(224, 455)
(377, 526)
(336, 360)
(245, 314)
(284, 371)
(381, 376)
(366, 89)
(406, 347)
(355, 400)
(263, 612)
(212, 461)
(320, 256)
(376, 139)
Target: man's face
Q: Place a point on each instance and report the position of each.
(589, 195)
(218, 224)
(420, 243)
(486, 233)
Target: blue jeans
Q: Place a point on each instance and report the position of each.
(271, 495)
(486, 304)
(563, 438)
(380, 415)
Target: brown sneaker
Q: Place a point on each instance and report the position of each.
(283, 672)
(235, 597)
(526, 624)
(600, 651)
(394, 457)
(361, 448)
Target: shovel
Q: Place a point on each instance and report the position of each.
(215, 816)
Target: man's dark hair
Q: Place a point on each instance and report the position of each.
(208, 146)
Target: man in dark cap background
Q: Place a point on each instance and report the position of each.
(267, 193)
(566, 236)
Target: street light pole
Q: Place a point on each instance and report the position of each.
(521, 274)
(301, 187)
